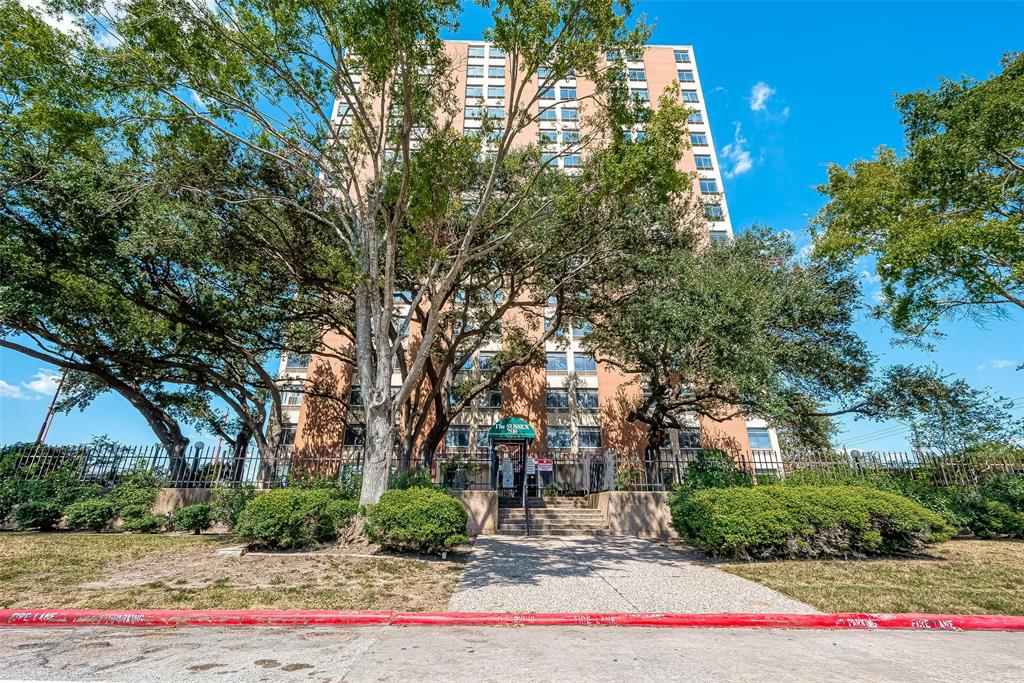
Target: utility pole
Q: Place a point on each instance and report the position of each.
(51, 411)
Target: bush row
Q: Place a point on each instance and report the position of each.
(803, 521)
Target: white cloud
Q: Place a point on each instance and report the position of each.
(759, 95)
(870, 278)
(8, 390)
(43, 384)
(62, 21)
(737, 157)
(997, 364)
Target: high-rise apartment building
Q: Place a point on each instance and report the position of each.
(574, 403)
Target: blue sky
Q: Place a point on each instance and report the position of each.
(829, 71)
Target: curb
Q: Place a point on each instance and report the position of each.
(185, 618)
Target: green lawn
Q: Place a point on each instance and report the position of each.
(957, 577)
(128, 571)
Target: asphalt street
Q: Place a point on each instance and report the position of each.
(504, 654)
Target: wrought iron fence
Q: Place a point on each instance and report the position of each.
(560, 472)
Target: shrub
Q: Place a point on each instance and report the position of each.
(714, 469)
(421, 519)
(91, 514)
(37, 514)
(410, 479)
(135, 495)
(993, 519)
(196, 518)
(228, 503)
(142, 522)
(804, 521)
(294, 517)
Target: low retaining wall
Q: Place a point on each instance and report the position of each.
(170, 499)
(636, 513)
(482, 507)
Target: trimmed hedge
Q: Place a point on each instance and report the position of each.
(195, 518)
(294, 518)
(421, 519)
(91, 514)
(803, 521)
(38, 514)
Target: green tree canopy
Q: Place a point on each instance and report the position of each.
(944, 221)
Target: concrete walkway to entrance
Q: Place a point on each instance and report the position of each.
(603, 574)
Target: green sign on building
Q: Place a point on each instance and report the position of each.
(512, 428)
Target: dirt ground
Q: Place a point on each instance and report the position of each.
(123, 571)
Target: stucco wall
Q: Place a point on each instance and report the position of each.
(168, 500)
(636, 513)
(482, 507)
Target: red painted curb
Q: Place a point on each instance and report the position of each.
(178, 618)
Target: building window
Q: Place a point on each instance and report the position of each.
(548, 115)
(486, 360)
(689, 438)
(474, 113)
(476, 50)
(474, 91)
(491, 400)
(495, 91)
(568, 93)
(292, 395)
(708, 186)
(695, 117)
(355, 397)
(547, 136)
(483, 438)
(556, 362)
(637, 75)
(570, 136)
(714, 212)
(640, 94)
(496, 71)
(686, 77)
(557, 399)
(682, 57)
(496, 112)
(474, 72)
(611, 55)
(457, 436)
(590, 437)
(355, 435)
(297, 361)
(497, 52)
(635, 57)
(586, 399)
(572, 161)
(559, 437)
(548, 94)
(288, 435)
(690, 96)
(639, 136)
(698, 139)
(570, 114)
(543, 72)
(703, 162)
(759, 439)
(585, 364)
(719, 237)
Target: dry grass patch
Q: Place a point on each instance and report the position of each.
(957, 577)
(121, 571)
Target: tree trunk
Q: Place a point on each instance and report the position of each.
(239, 450)
(378, 451)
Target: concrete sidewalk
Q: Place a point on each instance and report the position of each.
(603, 574)
(504, 654)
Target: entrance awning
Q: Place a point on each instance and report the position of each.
(512, 428)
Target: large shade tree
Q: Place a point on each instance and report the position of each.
(397, 185)
(944, 221)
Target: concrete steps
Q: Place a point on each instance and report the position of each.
(552, 517)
